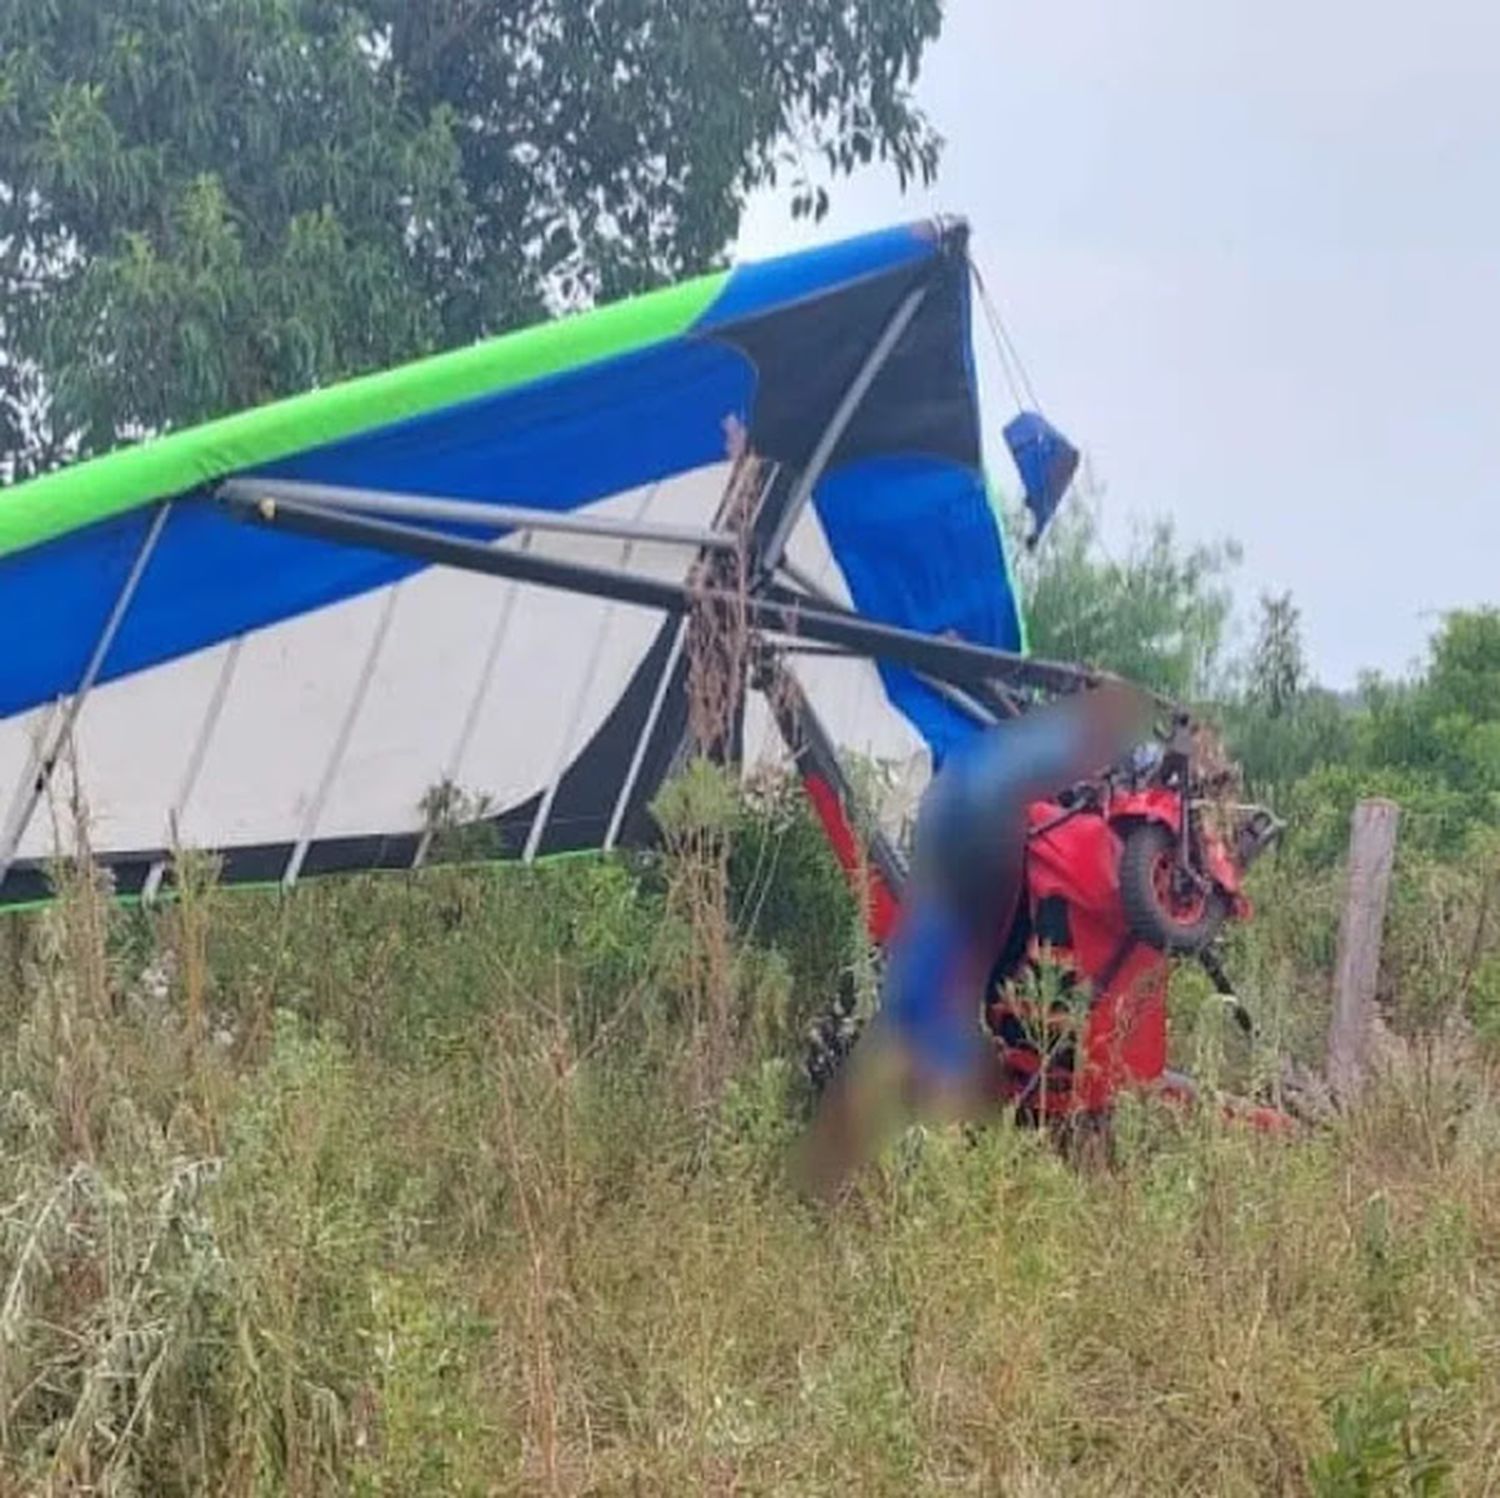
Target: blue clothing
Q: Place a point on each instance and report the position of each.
(966, 883)
(929, 985)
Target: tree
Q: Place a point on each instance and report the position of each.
(1432, 743)
(1276, 749)
(1447, 722)
(1157, 616)
(1278, 668)
(1282, 727)
(208, 203)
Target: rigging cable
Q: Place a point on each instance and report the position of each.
(1011, 363)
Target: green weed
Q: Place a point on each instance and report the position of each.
(406, 1186)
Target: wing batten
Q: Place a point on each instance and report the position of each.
(189, 783)
(345, 734)
(454, 765)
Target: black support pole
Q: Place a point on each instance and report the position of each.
(954, 661)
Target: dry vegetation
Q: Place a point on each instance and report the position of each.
(411, 1187)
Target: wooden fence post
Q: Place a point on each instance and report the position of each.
(1351, 1035)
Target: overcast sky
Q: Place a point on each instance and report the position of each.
(1251, 255)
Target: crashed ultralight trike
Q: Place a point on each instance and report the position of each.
(253, 636)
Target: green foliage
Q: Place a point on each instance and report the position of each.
(702, 797)
(1431, 743)
(1157, 616)
(437, 1209)
(1278, 668)
(1282, 727)
(789, 894)
(1387, 1440)
(1275, 750)
(1447, 722)
(1436, 818)
(203, 206)
(425, 1348)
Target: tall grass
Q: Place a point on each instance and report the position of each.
(407, 1187)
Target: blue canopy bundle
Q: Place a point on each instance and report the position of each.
(275, 635)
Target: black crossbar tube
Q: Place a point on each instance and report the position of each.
(954, 661)
(990, 674)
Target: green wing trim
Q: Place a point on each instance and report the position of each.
(85, 493)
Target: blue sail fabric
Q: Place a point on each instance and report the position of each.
(1047, 463)
(926, 554)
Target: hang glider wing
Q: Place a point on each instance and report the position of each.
(292, 702)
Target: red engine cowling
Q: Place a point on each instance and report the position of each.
(1077, 1060)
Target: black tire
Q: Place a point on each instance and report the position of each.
(1146, 910)
(831, 1038)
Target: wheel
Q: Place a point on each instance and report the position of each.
(831, 1038)
(1163, 907)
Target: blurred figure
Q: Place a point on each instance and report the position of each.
(926, 1055)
